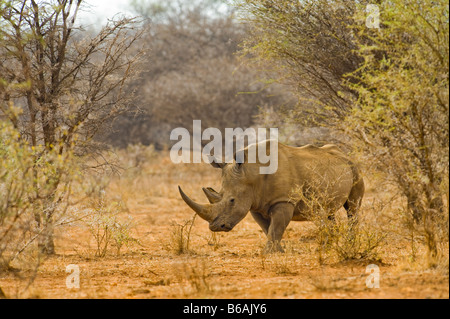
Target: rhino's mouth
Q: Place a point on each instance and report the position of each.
(217, 227)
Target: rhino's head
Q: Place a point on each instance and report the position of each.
(229, 206)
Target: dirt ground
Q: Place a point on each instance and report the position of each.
(225, 265)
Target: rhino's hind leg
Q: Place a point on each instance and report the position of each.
(280, 216)
(354, 200)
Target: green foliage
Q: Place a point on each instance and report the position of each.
(401, 118)
(34, 189)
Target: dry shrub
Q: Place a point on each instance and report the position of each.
(180, 237)
(343, 238)
(214, 240)
(106, 226)
(337, 237)
(347, 240)
(430, 233)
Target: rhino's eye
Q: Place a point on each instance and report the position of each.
(232, 200)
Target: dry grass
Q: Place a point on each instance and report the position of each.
(228, 265)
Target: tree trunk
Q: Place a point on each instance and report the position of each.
(46, 244)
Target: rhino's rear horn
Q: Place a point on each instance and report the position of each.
(212, 195)
(204, 211)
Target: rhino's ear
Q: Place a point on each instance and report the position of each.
(240, 157)
(215, 162)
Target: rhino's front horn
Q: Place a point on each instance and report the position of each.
(204, 211)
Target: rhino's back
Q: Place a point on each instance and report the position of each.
(309, 158)
(311, 150)
(312, 165)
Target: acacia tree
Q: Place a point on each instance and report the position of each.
(401, 117)
(60, 85)
(309, 46)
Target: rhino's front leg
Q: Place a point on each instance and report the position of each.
(280, 216)
(262, 221)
